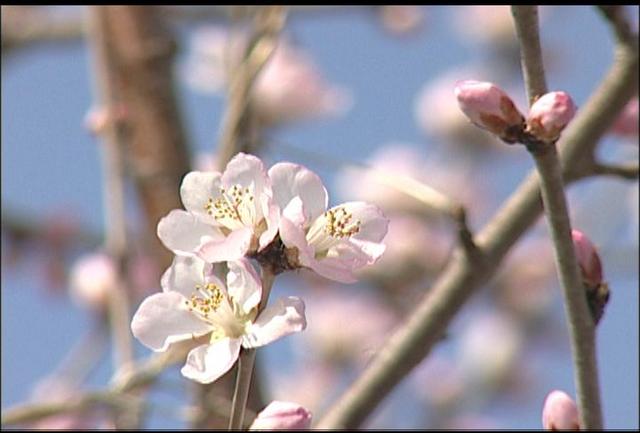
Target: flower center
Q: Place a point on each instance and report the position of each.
(333, 226)
(234, 208)
(205, 299)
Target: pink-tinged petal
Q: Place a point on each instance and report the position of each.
(231, 248)
(243, 284)
(588, 259)
(272, 217)
(560, 412)
(246, 170)
(208, 362)
(372, 250)
(163, 319)
(184, 234)
(282, 415)
(196, 190)
(373, 223)
(293, 180)
(291, 229)
(549, 115)
(187, 272)
(488, 107)
(332, 268)
(295, 212)
(278, 320)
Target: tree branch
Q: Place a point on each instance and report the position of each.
(580, 323)
(238, 123)
(413, 341)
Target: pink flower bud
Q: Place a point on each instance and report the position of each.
(281, 415)
(550, 114)
(627, 123)
(93, 277)
(588, 259)
(560, 412)
(489, 107)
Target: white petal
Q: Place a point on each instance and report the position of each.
(163, 318)
(196, 189)
(184, 234)
(373, 223)
(183, 275)
(292, 180)
(208, 362)
(272, 217)
(246, 170)
(291, 231)
(233, 247)
(187, 272)
(278, 320)
(243, 284)
(333, 268)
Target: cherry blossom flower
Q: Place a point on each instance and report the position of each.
(282, 415)
(228, 215)
(560, 412)
(334, 242)
(195, 302)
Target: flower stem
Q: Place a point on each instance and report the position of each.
(246, 362)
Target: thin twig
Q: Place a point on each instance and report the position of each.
(581, 326)
(113, 172)
(526, 21)
(238, 120)
(246, 361)
(144, 373)
(413, 341)
(629, 171)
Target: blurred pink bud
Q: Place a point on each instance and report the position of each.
(98, 119)
(489, 107)
(291, 87)
(627, 123)
(560, 412)
(550, 114)
(401, 20)
(588, 259)
(93, 277)
(281, 415)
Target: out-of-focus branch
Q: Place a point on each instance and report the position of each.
(629, 171)
(238, 123)
(580, 323)
(413, 341)
(142, 374)
(26, 26)
(113, 172)
(157, 152)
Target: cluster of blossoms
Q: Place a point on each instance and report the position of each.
(279, 218)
